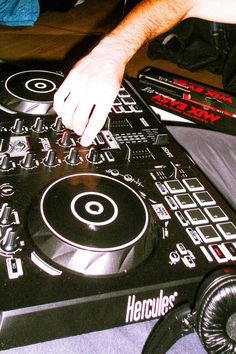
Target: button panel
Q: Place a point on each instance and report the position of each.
(206, 224)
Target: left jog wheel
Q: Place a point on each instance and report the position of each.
(92, 224)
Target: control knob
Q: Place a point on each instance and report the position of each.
(4, 141)
(9, 243)
(5, 163)
(65, 140)
(94, 155)
(28, 160)
(50, 159)
(6, 214)
(72, 157)
(57, 125)
(38, 126)
(18, 127)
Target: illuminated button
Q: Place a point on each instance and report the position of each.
(123, 93)
(185, 201)
(109, 156)
(194, 236)
(188, 261)
(193, 184)
(219, 253)
(174, 186)
(216, 214)
(127, 109)
(117, 109)
(117, 102)
(230, 248)
(137, 109)
(208, 234)
(228, 230)
(206, 253)
(162, 189)
(171, 202)
(181, 248)
(128, 100)
(182, 219)
(14, 268)
(196, 216)
(204, 198)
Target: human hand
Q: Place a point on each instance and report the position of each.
(85, 97)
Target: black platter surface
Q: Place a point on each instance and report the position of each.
(30, 91)
(99, 226)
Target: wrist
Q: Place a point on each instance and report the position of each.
(117, 47)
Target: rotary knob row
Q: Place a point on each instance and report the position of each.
(9, 219)
(29, 161)
(19, 128)
(51, 159)
(38, 127)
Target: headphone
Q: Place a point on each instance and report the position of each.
(213, 317)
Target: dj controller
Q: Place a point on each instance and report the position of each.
(101, 236)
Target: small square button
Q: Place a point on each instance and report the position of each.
(204, 198)
(123, 93)
(208, 233)
(228, 230)
(231, 249)
(174, 186)
(185, 201)
(216, 214)
(196, 216)
(193, 184)
(127, 100)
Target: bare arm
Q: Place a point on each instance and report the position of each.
(215, 10)
(93, 82)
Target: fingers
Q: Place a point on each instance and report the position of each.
(85, 97)
(84, 113)
(62, 93)
(90, 116)
(95, 123)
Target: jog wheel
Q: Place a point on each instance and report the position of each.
(92, 224)
(31, 92)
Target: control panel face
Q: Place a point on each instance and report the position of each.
(130, 214)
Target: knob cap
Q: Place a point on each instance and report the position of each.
(28, 160)
(38, 126)
(50, 159)
(73, 157)
(65, 140)
(18, 127)
(9, 243)
(5, 163)
(94, 155)
(4, 141)
(6, 214)
(58, 126)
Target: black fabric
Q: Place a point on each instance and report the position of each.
(56, 5)
(229, 73)
(196, 44)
